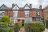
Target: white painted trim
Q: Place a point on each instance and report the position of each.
(2, 11)
(15, 11)
(26, 11)
(19, 18)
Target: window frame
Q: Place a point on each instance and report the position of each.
(26, 12)
(16, 12)
(37, 13)
(2, 12)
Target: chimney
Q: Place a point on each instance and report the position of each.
(13, 5)
(40, 7)
(30, 6)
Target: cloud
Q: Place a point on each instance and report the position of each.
(21, 3)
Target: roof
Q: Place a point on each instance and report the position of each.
(4, 7)
(16, 7)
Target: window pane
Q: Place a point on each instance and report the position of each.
(1, 13)
(26, 13)
(37, 13)
(15, 14)
(37, 19)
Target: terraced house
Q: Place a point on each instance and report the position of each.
(26, 13)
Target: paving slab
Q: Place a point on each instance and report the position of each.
(22, 29)
(46, 30)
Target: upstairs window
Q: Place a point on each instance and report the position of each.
(26, 13)
(38, 13)
(15, 13)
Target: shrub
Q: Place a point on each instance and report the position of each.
(4, 22)
(5, 19)
(5, 29)
(17, 26)
(46, 23)
(34, 27)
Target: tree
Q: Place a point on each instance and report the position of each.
(5, 19)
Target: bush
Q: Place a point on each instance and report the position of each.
(5, 19)
(5, 29)
(17, 26)
(34, 27)
(46, 23)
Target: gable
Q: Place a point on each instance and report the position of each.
(16, 7)
(3, 7)
(26, 6)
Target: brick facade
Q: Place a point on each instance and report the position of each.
(21, 12)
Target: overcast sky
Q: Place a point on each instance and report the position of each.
(35, 3)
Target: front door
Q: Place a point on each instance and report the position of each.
(22, 22)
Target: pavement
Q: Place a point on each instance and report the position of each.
(46, 30)
(23, 30)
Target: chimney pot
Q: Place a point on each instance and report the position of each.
(13, 5)
(40, 7)
(30, 5)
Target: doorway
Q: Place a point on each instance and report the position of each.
(22, 22)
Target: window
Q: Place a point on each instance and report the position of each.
(38, 13)
(1, 13)
(15, 13)
(26, 13)
(37, 19)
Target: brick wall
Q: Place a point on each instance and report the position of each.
(45, 13)
(21, 14)
(41, 13)
(9, 13)
(32, 13)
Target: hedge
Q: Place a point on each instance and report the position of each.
(7, 29)
(17, 26)
(34, 27)
(46, 23)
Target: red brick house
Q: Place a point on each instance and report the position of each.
(45, 13)
(17, 12)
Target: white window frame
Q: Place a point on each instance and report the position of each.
(26, 12)
(1, 15)
(15, 12)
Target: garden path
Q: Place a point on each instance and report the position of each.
(22, 29)
(46, 30)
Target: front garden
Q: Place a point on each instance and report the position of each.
(6, 26)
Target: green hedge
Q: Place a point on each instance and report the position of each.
(4, 28)
(17, 26)
(7, 29)
(46, 23)
(34, 27)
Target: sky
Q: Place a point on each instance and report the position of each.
(21, 3)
